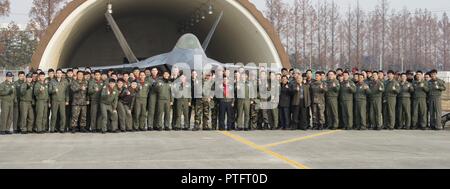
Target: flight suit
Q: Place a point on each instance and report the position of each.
(94, 91)
(264, 98)
(59, 97)
(7, 97)
(79, 104)
(404, 105)
(26, 107)
(318, 90)
(348, 88)
(436, 88)
(375, 104)
(124, 107)
(41, 94)
(164, 96)
(392, 88)
(243, 104)
(140, 106)
(183, 99)
(108, 108)
(332, 108)
(16, 112)
(274, 102)
(360, 111)
(419, 110)
(152, 102)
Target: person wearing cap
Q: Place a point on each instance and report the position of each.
(17, 84)
(41, 94)
(95, 87)
(437, 86)
(420, 112)
(7, 98)
(108, 106)
(79, 103)
(59, 91)
(392, 89)
(26, 105)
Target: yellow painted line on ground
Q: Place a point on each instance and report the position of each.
(300, 138)
(265, 150)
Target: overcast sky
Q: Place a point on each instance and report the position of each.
(20, 8)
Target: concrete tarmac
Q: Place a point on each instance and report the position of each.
(229, 150)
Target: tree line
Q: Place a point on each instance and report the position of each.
(325, 35)
(17, 45)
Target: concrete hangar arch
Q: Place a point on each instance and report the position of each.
(79, 35)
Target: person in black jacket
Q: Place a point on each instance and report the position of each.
(301, 102)
(285, 102)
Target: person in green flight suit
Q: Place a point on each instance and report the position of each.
(392, 89)
(437, 87)
(348, 88)
(404, 107)
(332, 108)
(420, 112)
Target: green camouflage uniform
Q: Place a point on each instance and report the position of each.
(79, 104)
(318, 90)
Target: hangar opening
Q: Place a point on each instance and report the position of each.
(80, 35)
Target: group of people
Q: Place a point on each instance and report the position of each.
(85, 100)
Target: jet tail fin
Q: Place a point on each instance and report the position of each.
(211, 33)
(122, 41)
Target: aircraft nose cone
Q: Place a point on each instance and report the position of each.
(188, 41)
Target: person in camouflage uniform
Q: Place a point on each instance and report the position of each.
(79, 104)
(332, 108)
(41, 94)
(7, 97)
(392, 88)
(318, 89)
(94, 90)
(419, 110)
(360, 96)
(17, 84)
(436, 86)
(59, 91)
(404, 103)
(375, 102)
(348, 88)
(108, 106)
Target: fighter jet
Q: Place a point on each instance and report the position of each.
(187, 51)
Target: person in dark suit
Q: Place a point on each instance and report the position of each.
(300, 101)
(285, 102)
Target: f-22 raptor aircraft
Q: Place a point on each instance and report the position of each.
(187, 47)
(187, 51)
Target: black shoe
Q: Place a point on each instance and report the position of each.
(196, 129)
(186, 129)
(150, 129)
(159, 129)
(103, 132)
(2, 133)
(167, 129)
